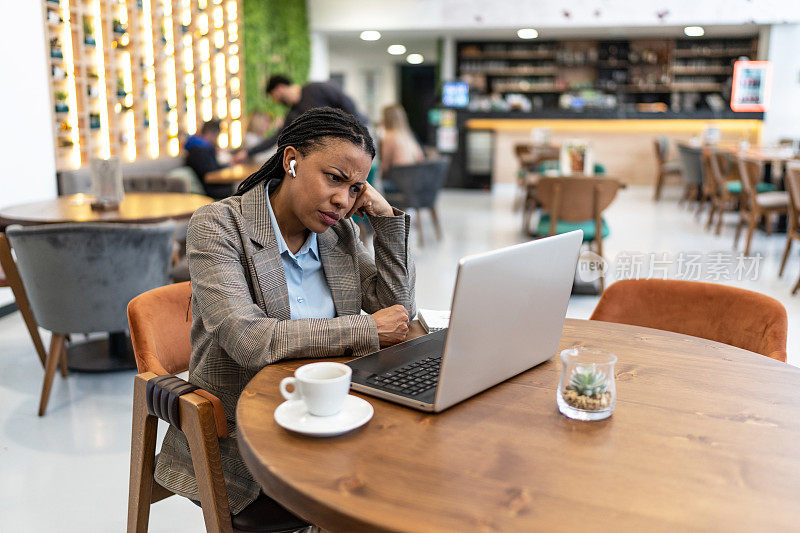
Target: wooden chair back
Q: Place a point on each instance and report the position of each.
(750, 171)
(793, 187)
(661, 146)
(741, 318)
(715, 171)
(576, 199)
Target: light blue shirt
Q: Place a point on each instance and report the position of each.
(309, 294)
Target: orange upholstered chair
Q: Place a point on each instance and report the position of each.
(738, 317)
(160, 322)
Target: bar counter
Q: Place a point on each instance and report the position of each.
(621, 141)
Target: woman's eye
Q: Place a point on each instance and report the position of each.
(355, 190)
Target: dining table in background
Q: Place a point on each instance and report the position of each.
(113, 352)
(704, 437)
(231, 175)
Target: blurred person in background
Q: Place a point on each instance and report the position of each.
(258, 125)
(300, 99)
(201, 156)
(398, 146)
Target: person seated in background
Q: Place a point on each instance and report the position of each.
(398, 144)
(279, 273)
(300, 99)
(201, 156)
(258, 125)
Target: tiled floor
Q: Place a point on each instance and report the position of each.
(68, 471)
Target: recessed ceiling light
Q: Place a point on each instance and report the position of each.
(694, 31)
(415, 59)
(527, 33)
(370, 35)
(396, 49)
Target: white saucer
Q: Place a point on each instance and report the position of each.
(294, 416)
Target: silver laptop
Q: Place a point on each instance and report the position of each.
(507, 315)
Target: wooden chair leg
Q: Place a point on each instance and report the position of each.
(197, 422)
(63, 360)
(143, 453)
(785, 254)
(21, 297)
(738, 230)
(711, 211)
(53, 356)
(796, 286)
(659, 184)
(751, 228)
(768, 223)
(436, 225)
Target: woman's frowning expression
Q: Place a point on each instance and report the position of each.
(329, 179)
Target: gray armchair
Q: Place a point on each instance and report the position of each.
(80, 277)
(417, 186)
(691, 159)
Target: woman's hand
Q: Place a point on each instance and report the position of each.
(371, 202)
(392, 324)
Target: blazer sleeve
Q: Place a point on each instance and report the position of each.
(224, 301)
(389, 279)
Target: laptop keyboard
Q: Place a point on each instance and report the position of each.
(412, 379)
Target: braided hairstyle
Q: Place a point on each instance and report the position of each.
(307, 132)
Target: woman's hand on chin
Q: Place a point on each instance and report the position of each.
(372, 203)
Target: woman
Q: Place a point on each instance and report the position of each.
(398, 145)
(278, 272)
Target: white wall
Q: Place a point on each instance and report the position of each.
(26, 138)
(353, 58)
(782, 119)
(352, 15)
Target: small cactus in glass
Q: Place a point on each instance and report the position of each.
(588, 381)
(587, 390)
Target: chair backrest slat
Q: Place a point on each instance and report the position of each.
(576, 199)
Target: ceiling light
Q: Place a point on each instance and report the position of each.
(415, 59)
(396, 49)
(370, 35)
(527, 33)
(694, 31)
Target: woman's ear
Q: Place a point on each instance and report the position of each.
(290, 154)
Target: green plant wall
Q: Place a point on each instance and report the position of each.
(275, 41)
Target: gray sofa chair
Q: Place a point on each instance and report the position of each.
(691, 159)
(80, 277)
(144, 175)
(417, 186)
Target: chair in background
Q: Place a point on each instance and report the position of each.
(755, 205)
(793, 229)
(576, 203)
(417, 187)
(691, 160)
(160, 322)
(721, 313)
(9, 277)
(155, 183)
(80, 277)
(664, 167)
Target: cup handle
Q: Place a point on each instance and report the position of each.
(285, 382)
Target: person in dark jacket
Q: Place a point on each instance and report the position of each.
(300, 99)
(201, 156)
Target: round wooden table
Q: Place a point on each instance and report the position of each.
(705, 436)
(135, 207)
(232, 174)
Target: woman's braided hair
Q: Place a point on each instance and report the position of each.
(307, 132)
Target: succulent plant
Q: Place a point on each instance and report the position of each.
(587, 381)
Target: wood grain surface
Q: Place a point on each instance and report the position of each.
(135, 207)
(232, 174)
(704, 437)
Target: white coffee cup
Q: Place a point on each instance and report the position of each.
(321, 386)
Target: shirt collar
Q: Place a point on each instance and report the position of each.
(311, 242)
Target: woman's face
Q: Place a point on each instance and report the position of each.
(328, 182)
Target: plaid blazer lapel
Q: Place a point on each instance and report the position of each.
(266, 268)
(341, 273)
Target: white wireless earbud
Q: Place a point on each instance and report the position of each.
(292, 163)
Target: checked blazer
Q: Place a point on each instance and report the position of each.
(241, 314)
